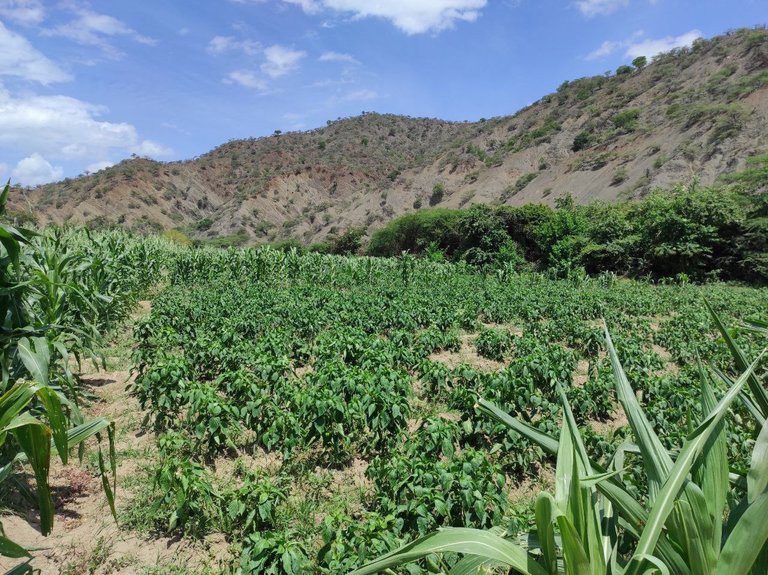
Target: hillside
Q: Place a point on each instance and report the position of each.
(698, 112)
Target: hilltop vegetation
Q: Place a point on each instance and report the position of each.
(695, 112)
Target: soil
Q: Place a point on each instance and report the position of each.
(85, 537)
(467, 355)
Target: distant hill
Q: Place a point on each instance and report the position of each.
(696, 112)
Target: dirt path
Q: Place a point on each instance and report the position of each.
(85, 537)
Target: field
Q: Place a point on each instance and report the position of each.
(320, 411)
(309, 413)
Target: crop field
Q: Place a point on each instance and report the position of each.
(320, 411)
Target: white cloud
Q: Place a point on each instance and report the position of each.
(64, 128)
(409, 16)
(151, 149)
(35, 170)
(606, 49)
(652, 47)
(598, 7)
(98, 166)
(309, 6)
(361, 96)
(19, 58)
(610, 46)
(247, 79)
(25, 12)
(280, 60)
(337, 57)
(222, 44)
(93, 29)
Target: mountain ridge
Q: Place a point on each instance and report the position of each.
(697, 112)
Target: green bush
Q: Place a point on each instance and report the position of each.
(583, 140)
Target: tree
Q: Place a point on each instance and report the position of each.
(438, 191)
(640, 62)
(622, 70)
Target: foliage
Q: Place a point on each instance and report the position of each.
(705, 233)
(61, 291)
(577, 529)
(583, 140)
(341, 375)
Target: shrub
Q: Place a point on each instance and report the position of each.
(583, 140)
(438, 192)
(626, 120)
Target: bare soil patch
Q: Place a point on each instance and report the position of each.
(467, 355)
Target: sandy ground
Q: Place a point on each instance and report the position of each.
(85, 538)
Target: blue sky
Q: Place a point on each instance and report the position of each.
(86, 84)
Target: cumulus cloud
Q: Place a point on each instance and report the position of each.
(247, 79)
(65, 128)
(651, 47)
(35, 170)
(635, 45)
(25, 12)
(93, 29)
(337, 57)
(151, 149)
(222, 44)
(361, 96)
(280, 60)
(98, 166)
(19, 58)
(309, 6)
(409, 16)
(599, 7)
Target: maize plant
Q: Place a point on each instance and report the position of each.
(45, 317)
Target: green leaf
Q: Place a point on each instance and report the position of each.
(575, 557)
(757, 477)
(36, 357)
(546, 442)
(14, 401)
(545, 517)
(35, 440)
(57, 420)
(656, 461)
(746, 541)
(77, 435)
(459, 540)
(692, 447)
(10, 549)
(759, 394)
(711, 472)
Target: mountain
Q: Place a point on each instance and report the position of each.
(695, 112)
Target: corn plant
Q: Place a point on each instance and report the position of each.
(37, 416)
(582, 527)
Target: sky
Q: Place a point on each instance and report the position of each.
(84, 85)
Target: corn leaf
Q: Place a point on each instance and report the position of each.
(459, 540)
(759, 394)
(691, 449)
(757, 477)
(747, 541)
(35, 356)
(656, 459)
(10, 549)
(35, 440)
(545, 510)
